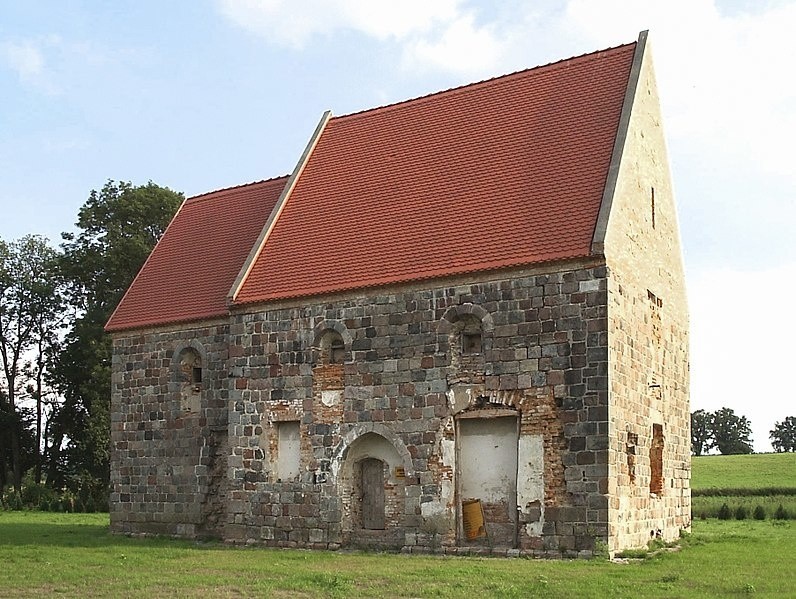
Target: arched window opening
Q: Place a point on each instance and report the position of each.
(471, 334)
(332, 348)
(337, 350)
(190, 374)
(190, 367)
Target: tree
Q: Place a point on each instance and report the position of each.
(731, 433)
(118, 227)
(783, 435)
(701, 432)
(29, 311)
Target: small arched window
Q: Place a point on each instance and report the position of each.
(470, 334)
(189, 376)
(332, 348)
(190, 367)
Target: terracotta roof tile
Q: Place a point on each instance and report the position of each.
(501, 173)
(191, 270)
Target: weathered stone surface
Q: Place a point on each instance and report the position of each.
(218, 462)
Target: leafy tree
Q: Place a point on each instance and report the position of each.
(783, 435)
(732, 434)
(701, 432)
(118, 227)
(29, 311)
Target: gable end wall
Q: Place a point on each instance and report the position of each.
(648, 347)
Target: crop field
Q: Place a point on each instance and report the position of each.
(744, 483)
(753, 471)
(73, 555)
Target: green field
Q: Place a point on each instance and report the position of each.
(767, 480)
(754, 471)
(73, 555)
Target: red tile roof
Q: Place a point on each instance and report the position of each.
(501, 173)
(191, 270)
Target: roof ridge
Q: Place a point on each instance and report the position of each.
(235, 187)
(490, 80)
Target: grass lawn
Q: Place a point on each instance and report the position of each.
(72, 555)
(752, 471)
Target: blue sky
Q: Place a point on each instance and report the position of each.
(207, 94)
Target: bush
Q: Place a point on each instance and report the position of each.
(33, 493)
(103, 504)
(724, 512)
(759, 513)
(14, 502)
(93, 492)
(741, 513)
(781, 513)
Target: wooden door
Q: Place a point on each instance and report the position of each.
(372, 487)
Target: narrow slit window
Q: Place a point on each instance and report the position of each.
(630, 451)
(656, 460)
(652, 205)
(196, 376)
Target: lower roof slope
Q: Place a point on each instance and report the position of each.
(189, 273)
(501, 173)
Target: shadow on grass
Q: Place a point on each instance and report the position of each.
(78, 535)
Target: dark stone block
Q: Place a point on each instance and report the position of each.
(577, 443)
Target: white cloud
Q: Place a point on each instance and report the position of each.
(741, 344)
(293, 23)
(461, 47)
(26, 59)
(440, 35)
(723, 78)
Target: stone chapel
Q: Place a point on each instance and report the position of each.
(459, 325)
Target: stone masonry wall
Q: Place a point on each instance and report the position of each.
(402, 380)
(168, 432)
(648, 349)
(192, 459)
